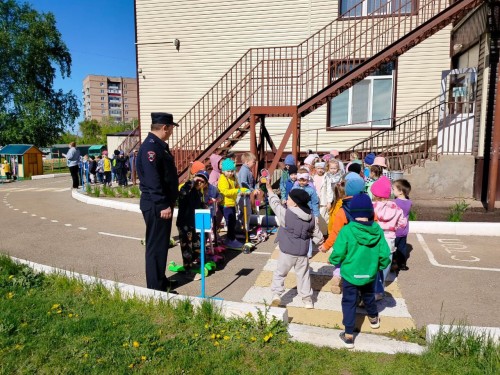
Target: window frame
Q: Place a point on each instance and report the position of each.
(342, 17)
(365, 127)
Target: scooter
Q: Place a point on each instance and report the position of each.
(248, 247)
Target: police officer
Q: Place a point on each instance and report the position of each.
(159, 186)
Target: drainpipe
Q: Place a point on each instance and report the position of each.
(493, 172)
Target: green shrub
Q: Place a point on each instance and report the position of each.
(457, 211)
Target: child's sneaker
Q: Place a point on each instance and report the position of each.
(347, 339)
(374, 322)
(276, 300)
(336, 287)
(308, 303)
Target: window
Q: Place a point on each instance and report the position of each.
(126, 92)
(126, 105)
(368, 103)
(101, 84)
(102, 91)
(125, 99)
(102, 105)
(361, 8)
(102, 97)
(124, 85)
(103, 112)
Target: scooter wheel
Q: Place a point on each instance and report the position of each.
(247, 249)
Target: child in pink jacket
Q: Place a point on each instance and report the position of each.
(390, 218)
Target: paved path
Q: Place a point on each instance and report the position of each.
(40, 221)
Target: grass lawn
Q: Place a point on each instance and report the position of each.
(51, 324)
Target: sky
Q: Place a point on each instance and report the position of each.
(100, 36)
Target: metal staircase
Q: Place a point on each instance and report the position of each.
(293, 81)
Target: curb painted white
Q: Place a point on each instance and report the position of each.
(458, 229)
(433, 329)
(425, 227)
(228, 309)
(362, 342)
(54, 175)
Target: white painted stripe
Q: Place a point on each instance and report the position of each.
(26, 189)
(393, 307)
(16, 209)
(25, 212)
(67, 225)
(43, 218)
(120, 236)
(82, 228)
(55, 221)
(260, 253)
(316, 268)
(435, 263)
(459, 229)
(46, 189)
(33, 214)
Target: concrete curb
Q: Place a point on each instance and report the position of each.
(228, 309)
(433, 329)
(458, 229)
(425, 227)
(363, 341)
(54, 175)
(307, 334)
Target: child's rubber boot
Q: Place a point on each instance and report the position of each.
(336, 287)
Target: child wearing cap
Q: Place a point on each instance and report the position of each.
(292, 179)
(229, 188)
(361, 249)
(391, 218)
(297, 228)
(285, 174)
(402, 189)
(353, 186)
(320, 184)
(369, 159)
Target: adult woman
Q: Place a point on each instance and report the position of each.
(72, 159)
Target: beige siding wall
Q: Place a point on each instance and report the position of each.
(215, 34)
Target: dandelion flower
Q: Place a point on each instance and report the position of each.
(59, 311)
(86, 355)
(253, 338)
(143, 358)
(55, 306)
(226, 338)
(216, 343)
(206, 326)
(11, 277)
(70, 315)
(136, 344)
(212, 336)
(131, 365)
(218, 336)
(10, 295)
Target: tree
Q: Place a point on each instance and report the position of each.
(91, 132)
(31, 49)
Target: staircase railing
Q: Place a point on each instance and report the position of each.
(291, 75)
(130, 142)
(421, 135)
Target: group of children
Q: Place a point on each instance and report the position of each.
(366, 215)
(356, 210)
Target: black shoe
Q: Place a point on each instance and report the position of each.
(403, 267)
(348, 341)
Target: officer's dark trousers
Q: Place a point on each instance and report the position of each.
(157, 243)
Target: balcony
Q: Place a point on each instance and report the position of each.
(114, 91)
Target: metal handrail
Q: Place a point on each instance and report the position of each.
(290, 75)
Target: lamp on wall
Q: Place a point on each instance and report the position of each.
(457, 47)
(176, 42)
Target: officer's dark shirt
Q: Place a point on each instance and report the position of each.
(157, 174)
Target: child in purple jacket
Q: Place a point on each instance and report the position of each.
(401, 189)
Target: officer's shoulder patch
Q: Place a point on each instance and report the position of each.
(151, 156)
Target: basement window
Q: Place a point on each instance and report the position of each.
(366, 105)
(364, 8)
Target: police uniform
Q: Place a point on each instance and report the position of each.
(159, 186)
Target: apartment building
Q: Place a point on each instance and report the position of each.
(114, 97)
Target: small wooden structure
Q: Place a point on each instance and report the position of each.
(25, 160)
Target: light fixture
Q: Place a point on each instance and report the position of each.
(457, 47)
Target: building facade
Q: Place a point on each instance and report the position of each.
(110, 97)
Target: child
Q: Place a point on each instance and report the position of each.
(336, 156)
(332, 177)
(336, 205)
(369, 159)
(375, 173)
(391, 218)
(302, 183)
(380, 161)
(246, 179)
(297, 227)
(292, 179)
(402, 189)
(190, 199)
(353, 186)
(285, 174)
(106, 164)
(320, 183)
(214, 175)
(362, 251)
(229, 188)
(92, 169)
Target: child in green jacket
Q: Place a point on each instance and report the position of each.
(362, 250)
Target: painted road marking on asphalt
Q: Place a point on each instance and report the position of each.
(67, 225)
(260, 253)
(121, 236)
(59, 190)
(33, 214)
(434, 262)
(454, 245)
(43, 218)
(82, 228)
(16, 209)
(55, 221)
(25, 212)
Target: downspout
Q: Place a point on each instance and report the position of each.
(495, 148)
(137, 73)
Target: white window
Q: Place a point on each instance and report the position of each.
(125, 99)
(126, 105)
(368, 103)
(103, 112)
(102, 105)
(360, 8)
